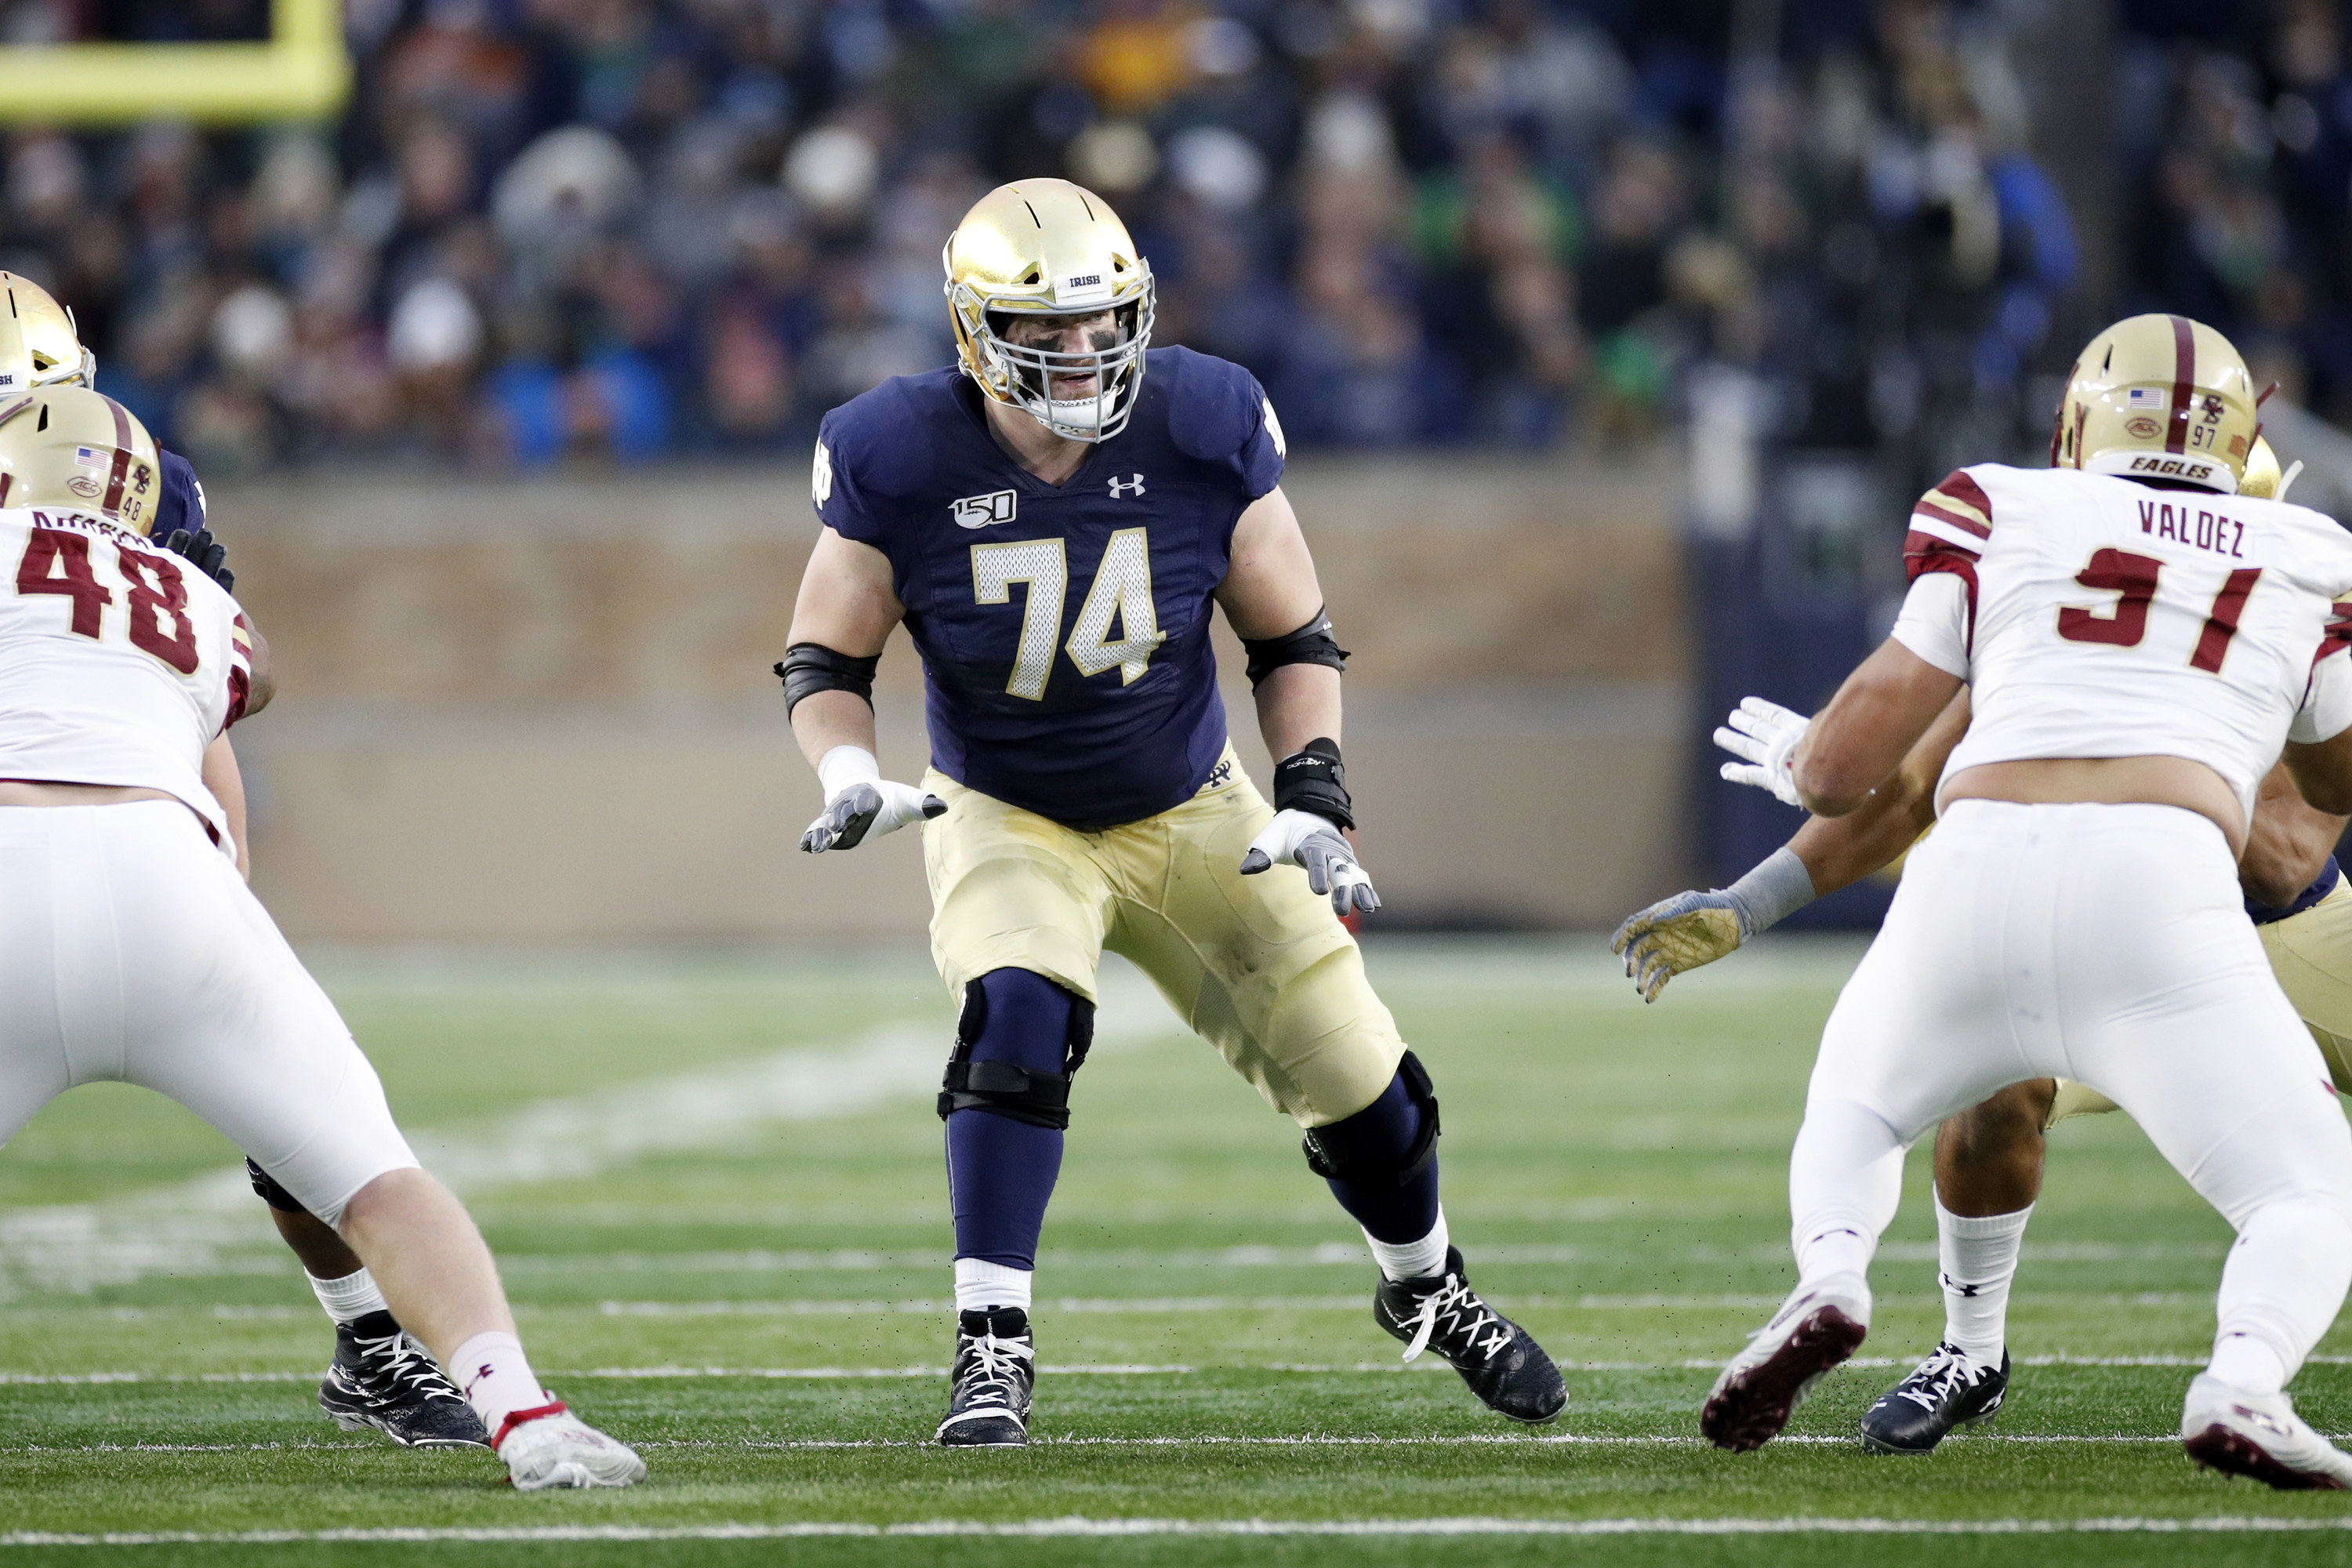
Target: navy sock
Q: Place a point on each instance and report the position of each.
(1387, 1128)
(1001, 1172)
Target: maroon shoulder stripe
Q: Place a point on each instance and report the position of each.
(1961, 488)
(2184, 379)
(1944, 514)
(121, 469)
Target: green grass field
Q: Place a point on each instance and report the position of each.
(715, 1187)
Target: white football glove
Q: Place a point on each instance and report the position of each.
(1765, 735)
(1307, 839)
(860, 804)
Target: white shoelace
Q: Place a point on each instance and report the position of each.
(1449, 1300)
(403, 1361)
(1937, 1376)
(997, 1362)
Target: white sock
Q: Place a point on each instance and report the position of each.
(1839, 1251)
(2246, 1362)
(497, 1380)
(1413, 1259)
(980, 1284)
(1978, 1255)
(352, 1296)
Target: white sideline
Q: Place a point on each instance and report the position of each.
(1081, 1527)
(209, 1224)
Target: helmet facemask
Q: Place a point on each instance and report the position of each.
(1023, 377)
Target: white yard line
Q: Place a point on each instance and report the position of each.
(210, 1225)
(848, 1307)
(1077, 1526)
(1102, 1368)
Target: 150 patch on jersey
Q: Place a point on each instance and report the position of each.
(984, 511)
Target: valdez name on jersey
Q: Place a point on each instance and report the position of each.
(1064, 630)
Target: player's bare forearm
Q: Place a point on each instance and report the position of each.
(1857, 743)
(1840, 850)
(222, 776)
(848, 603)
(824, 720)
(1296, 704)
(2322, 772)
(2289, 842)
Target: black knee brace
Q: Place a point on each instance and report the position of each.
(1353, 1149)
(1003, 1088)
(266, 1187)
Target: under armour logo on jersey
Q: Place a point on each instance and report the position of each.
(983, 511)
(1121, 489)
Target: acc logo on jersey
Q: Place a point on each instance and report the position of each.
(984, 511)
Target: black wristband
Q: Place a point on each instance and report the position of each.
(810, 668)
(1313, 779)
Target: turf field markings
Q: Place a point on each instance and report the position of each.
(206, 1225)
(1080, 1526)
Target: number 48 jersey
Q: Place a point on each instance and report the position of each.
(119, 664)
(2096, 616)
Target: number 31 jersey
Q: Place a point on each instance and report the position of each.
(119, 662)
(2096, 617)
(1064, 630)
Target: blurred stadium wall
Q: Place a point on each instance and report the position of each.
(542, 710)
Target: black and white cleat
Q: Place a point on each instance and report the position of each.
(994, 1375)
(383, 1380)
(1499, 1359)
(1944, 1391)
(2258, 1434)
(1814, 1331)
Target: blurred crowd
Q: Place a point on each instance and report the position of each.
(628, 229)
(2234, 127)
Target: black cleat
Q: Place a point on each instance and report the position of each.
(382, 1379)
(990, 1386)
(1499, 1359)
(1944, 1391)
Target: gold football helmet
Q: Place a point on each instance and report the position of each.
(1047, 247)
(45, 349)
(77, 450)
(2262, 479)
(2158, 397)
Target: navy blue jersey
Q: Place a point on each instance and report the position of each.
(2321, 886)
(183, 501)
(1064, 628)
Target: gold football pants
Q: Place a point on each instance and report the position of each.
(2310, 954)
(1258, 966)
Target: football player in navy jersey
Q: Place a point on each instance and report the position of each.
(381, 1377)
(1052, 518)
(1989, 1158)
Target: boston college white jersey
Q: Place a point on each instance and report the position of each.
(2095, 616)
(119, 661)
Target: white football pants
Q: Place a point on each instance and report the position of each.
(2108, 944)
(131, 950)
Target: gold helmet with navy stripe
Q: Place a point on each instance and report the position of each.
(2158, 397)
(78, 450)
(1050, 248)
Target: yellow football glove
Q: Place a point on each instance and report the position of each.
(1675, 934)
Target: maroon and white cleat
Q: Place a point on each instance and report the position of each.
(1816, 1327)
(2258, 1434)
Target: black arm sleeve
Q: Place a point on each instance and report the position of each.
(811, 667)
(1310, 643)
